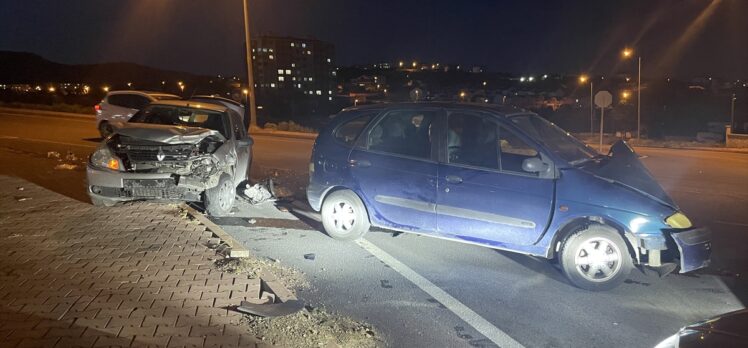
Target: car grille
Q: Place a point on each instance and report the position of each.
(152, 188)
(143, 153)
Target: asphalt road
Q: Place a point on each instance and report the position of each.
(420, 291)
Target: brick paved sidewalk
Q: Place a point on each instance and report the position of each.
(136, 275)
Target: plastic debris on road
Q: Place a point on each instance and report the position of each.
(258, 193)
(309, 256)
(66, 166)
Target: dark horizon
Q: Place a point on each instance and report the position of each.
(675, 38)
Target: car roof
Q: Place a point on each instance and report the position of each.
(502, 110)
(192, 104)
(150, 93)
(217, 99)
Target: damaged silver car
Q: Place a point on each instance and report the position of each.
(173, 151)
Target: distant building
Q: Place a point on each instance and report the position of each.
(288, 65)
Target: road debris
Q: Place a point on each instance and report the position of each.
(258, 193)
(71, 157)
(53, 154)
(21, 198)
(309, 256)
(252, 221)
(313, 327)
(20, 188)
(271, 310)
(66, 166)
(253, 267)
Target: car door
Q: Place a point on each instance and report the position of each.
(484, 194)
(394, 169)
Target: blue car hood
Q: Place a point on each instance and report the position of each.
(623, 166)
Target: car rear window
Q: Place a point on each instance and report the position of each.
(165, 97)
(183, 116)
(348, 132)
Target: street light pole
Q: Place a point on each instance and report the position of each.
(592, 111)
(250, 76)
(732, 112)
(639, 102)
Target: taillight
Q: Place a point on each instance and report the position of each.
(97, 107)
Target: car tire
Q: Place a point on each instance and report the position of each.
(105, 129)
(595, 258)
(344, 216)
(102, 202)
(220, 199)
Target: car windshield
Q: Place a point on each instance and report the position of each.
(182, 116)
(554, 139)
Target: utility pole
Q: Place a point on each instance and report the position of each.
(639, 102)
(250, 76)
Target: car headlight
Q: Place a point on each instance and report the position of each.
(678, 220)
(670, 342)
(104, 158)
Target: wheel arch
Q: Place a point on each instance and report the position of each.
(578, 223)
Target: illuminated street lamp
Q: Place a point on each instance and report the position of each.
(462, 95)
(628, 53)
(129, 84)
(625, 95)
(414, 64)
(583, 79)
(51, 89)
(400, 64)
(105, 88)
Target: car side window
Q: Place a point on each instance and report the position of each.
(138, 101)
(117, 100)
(403, 132)
(472, 139)
(348, 132)
(514, 151)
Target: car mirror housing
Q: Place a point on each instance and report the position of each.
(534, 165)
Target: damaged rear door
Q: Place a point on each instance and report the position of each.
(395, 170)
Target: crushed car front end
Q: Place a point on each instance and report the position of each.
(125, 168)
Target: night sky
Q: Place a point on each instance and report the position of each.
(680, 38)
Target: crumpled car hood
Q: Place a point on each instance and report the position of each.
(164, 133)
(624, 167)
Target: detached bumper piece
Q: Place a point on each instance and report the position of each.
(695, 247)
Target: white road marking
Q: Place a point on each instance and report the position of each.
(731, 223)
(458, 308)
(45, 141)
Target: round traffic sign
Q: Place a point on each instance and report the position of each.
(603, 99)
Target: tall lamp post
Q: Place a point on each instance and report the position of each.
(627, 53)
(732, 111)
(250, 76)
(583, 79)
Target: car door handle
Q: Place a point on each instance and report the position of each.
(453, 179)
(359, 163)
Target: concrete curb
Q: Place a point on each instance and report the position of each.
(235, 249)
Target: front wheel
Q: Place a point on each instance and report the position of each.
(595, 258)
(344, 216)
(219, 200)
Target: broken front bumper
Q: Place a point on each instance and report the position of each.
(124, 186)
(695, 248)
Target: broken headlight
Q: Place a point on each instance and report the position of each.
(104, 158)
(678, 220)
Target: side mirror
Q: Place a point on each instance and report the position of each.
(534, 165)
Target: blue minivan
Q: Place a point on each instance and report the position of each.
(502, 178)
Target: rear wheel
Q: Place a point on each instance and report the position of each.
(219, 200)
(105, 129)
(344, 216)
(595, 258)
